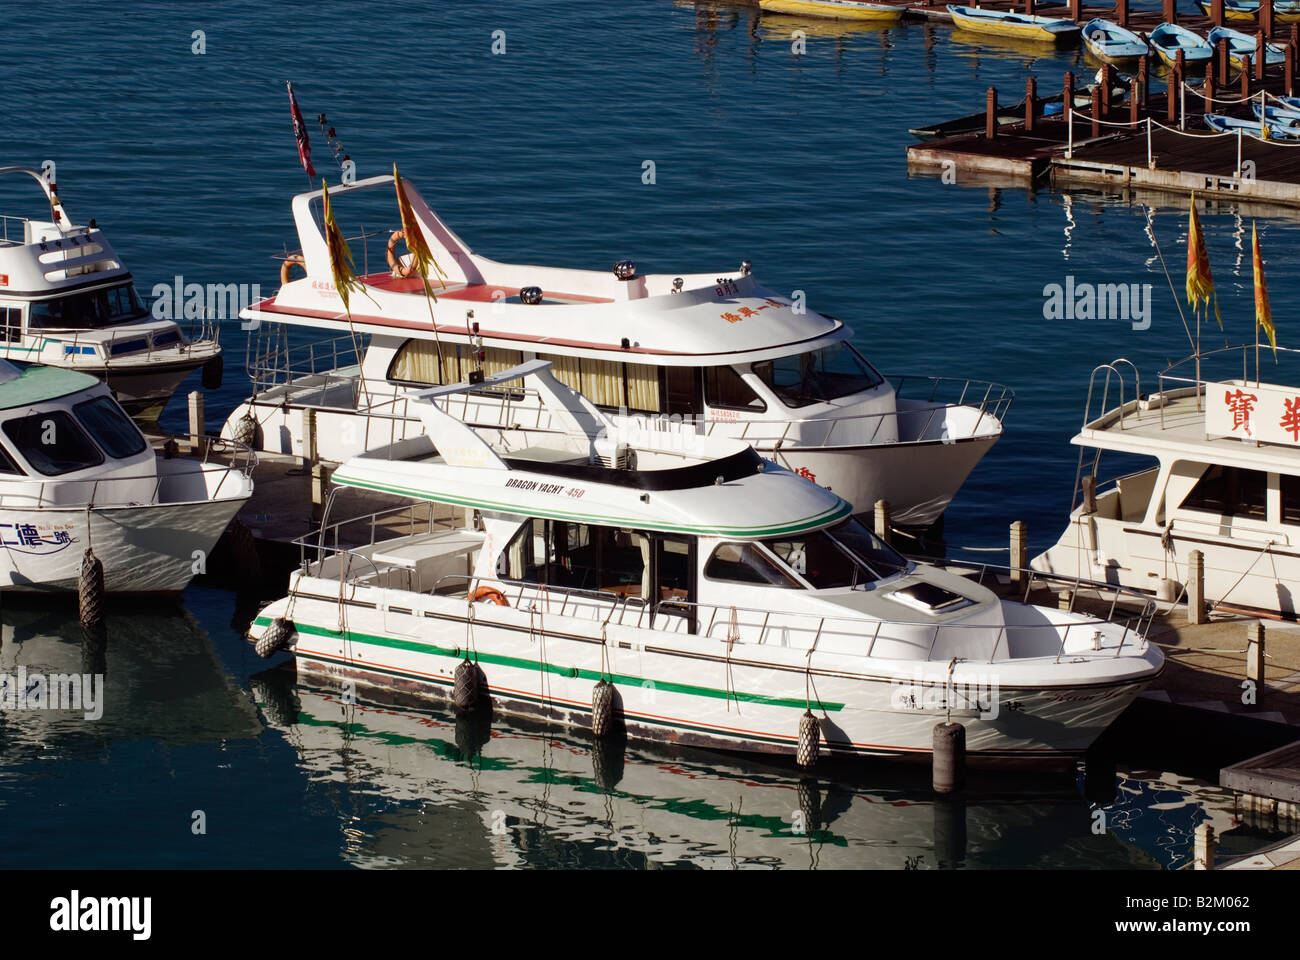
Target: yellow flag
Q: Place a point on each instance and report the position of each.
(1200, 284)
(1263, 316)
(341, 263)
(421, 257)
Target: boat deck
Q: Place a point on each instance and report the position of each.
(1275, 774)
(473, 292)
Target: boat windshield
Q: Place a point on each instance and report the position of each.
(846, 555)
(53, 443)
(820, 376)
(111, 427)
(98, 308)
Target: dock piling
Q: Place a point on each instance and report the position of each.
(1289, 78)
(1076, 10)
(1121, 12)
(1019, 552)
(1196, 587)
(949, 763)
(1259, 54)
(1031, 103)
(991, 118)
(1206, 842)
(1245, 76)
(1177, 83)
(1144, 77)
(883, 526)
(1169, 11)
(1224, 63)
(1266, 18)
(1207, 105)
(309, 437)
(1096, 111)
(1255, 656)
(1107, 79)
(1133, 102)
(196, 420)
(1216, 12)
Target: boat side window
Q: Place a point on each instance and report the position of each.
(416, 363)
(8, 465)
(1230, 492)
(1290, 498)
(724, 387)
(52, 443)
(745, 563)
(98, 308)
(12, 317)
(111, 428)
(579, 556)
(611, 384)
(876, 555)
(820, 376)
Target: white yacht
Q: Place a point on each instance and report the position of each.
(76, 473)
(67, 301)
(716, 353)
(1210, 461)
(723, 595)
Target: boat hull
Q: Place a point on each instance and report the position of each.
(873, 13)
(694, 692)
(1016, 31)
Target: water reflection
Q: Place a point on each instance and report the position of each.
(417, 788)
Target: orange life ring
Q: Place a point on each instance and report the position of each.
(289, 263)
(490, 593)
(398, 269)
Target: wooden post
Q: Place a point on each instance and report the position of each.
(1029, 7)
(1144, 77)
(1121, 12)
(1019, 552)
(1106, 83)
(1216, 12)
(1205, 844)
(1076, 10)
(1031, 103)
(1096, 111)
(196, 421)
(991, 118)
(1067, 92)
(1255, 656)
(1289, 78)
(884, 528)
(1169, 11)
(1208, 89)
(1133, 102)
(1245, 77)
(1196, 587)
(1266, 18)
(1260, 59)
(1224, 62)
(1172, 86)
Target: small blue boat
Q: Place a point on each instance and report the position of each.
(1021, 26)
(1292, 102)
(1110, 42)
(1243, 45)
(1168, 38)
(1253, 128)
(1288, 116)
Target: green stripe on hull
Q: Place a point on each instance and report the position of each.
(820, 520)
(457, 653)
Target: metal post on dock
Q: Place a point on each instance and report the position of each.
(1239, 161)
(1121, 12)
(196, 420)
(1031, 103)
(1205, 844)
(1196, 587)
(1019, 552)
(1260, 59)
(1216, 12)
(884, 522)
(1067, 112)
(1096, 111)
(1180, 78)
(1255, 656)
(1151, 163)
(1169, 11)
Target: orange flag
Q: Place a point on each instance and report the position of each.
(421, 257)
(1263, 316)
(1200, 284)
(341, 264)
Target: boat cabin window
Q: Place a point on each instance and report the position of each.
(1290, 498)
(1230, 491)
(52, 443)
(580, 556)
(610, 384)
(8, 465)
(842, 556)
(827, 374)
(416, 363)
(111, 428)
(12, 318)
(746, 563)
(98, 308)
(724, 387)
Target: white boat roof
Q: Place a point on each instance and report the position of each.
(719, 488)
(727, 316)
(54, 255)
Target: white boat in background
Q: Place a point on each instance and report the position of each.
(76, 473)
(67, 301)
(1220, 474)
(723, 595)
(709, 354)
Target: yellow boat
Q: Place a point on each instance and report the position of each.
(838, 9)
(1020, 25)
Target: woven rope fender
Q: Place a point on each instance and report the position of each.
(603, 716)
(90, 590)
(468, 684)
(245, 431)
(809, 740)
(275, 637)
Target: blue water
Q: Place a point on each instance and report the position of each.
(794, 162)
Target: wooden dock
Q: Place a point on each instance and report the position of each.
(1275, 774)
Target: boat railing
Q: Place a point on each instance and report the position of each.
(271, 362)
(20, 229)
(99, 491)
(329, 538)
(1190, 372)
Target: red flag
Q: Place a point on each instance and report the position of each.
(300, 133)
